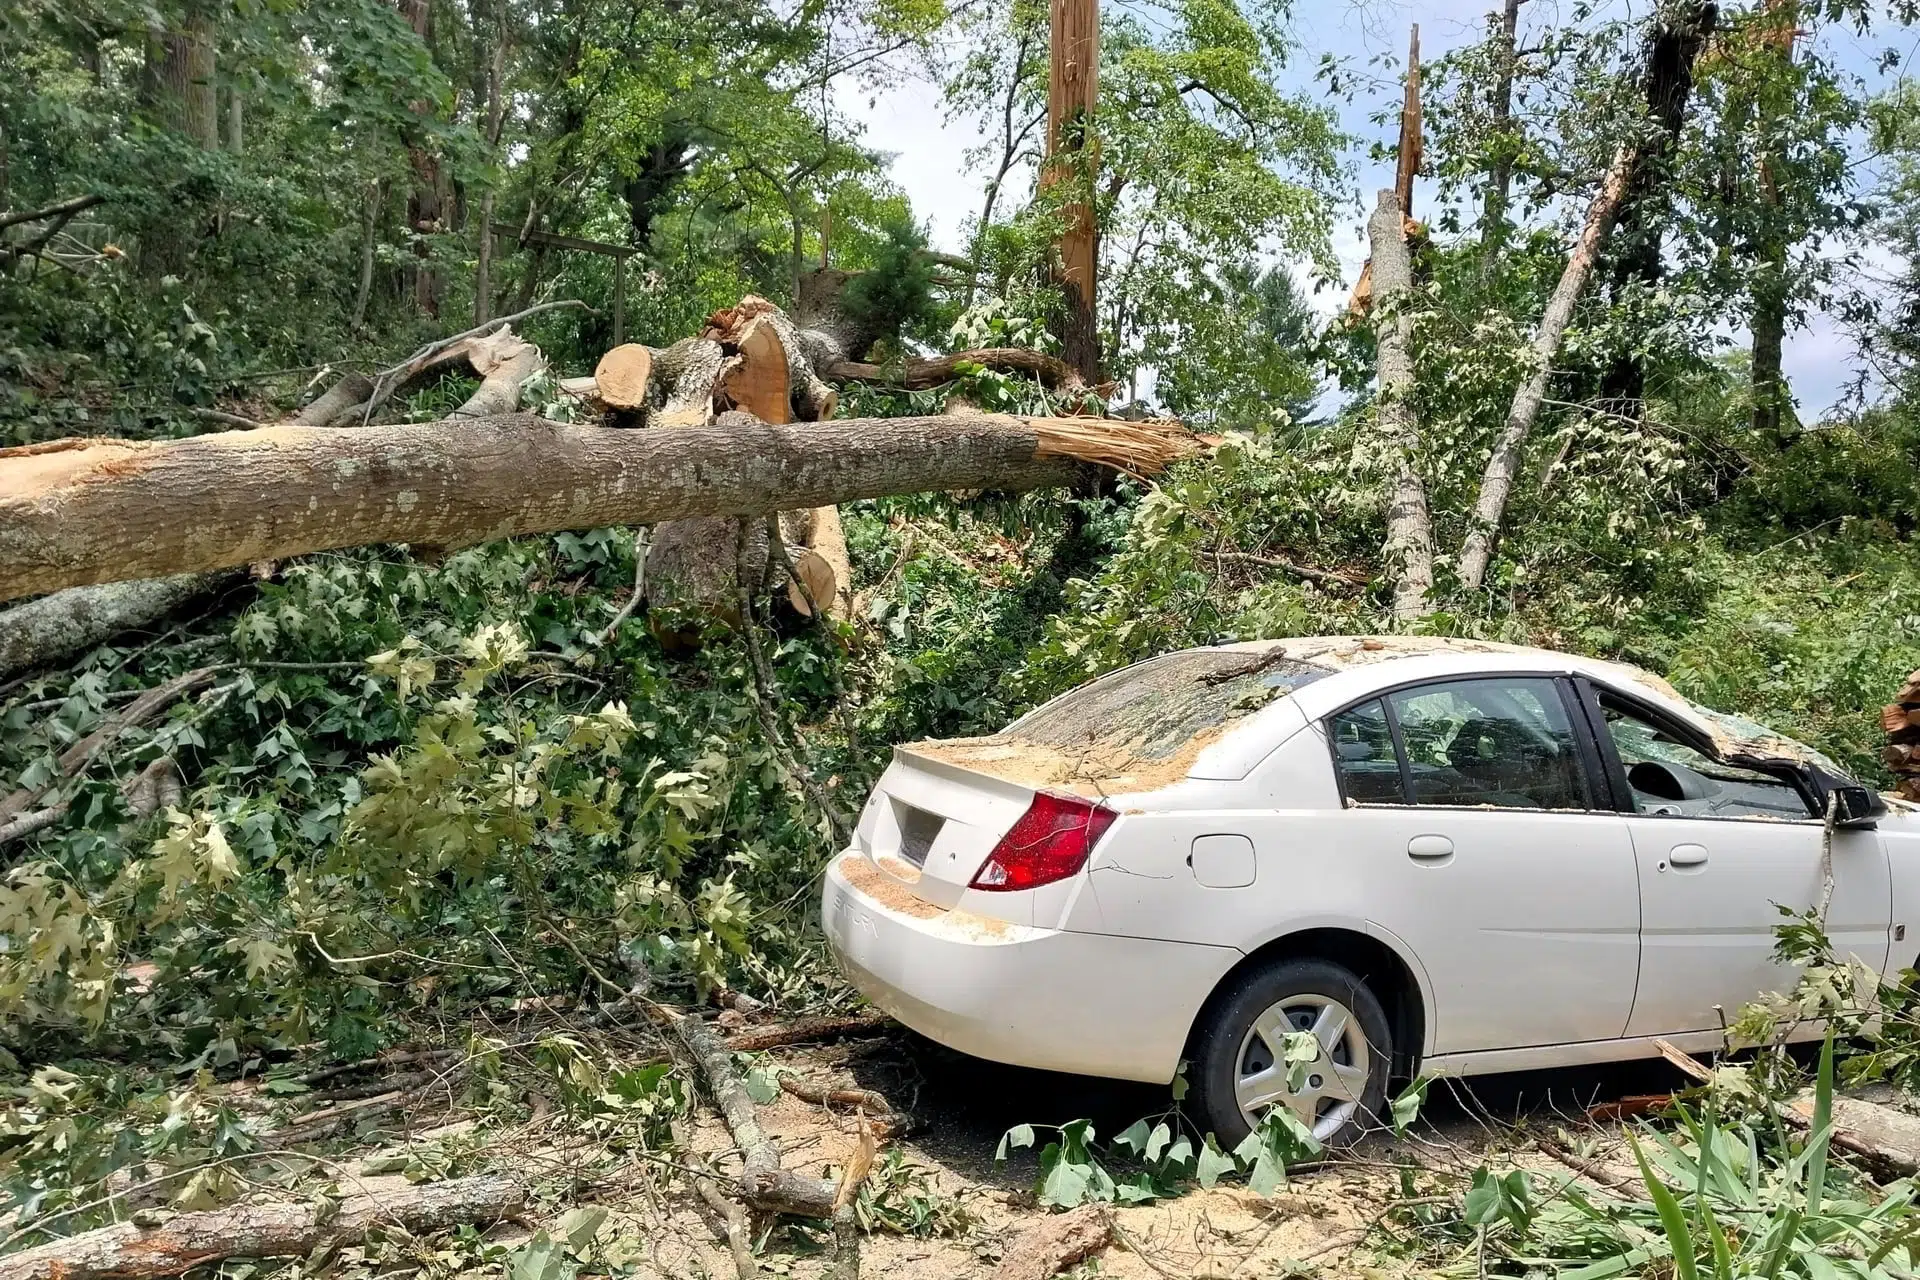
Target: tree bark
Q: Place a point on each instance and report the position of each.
(1073, 92)
(78, 512)
(1493, 208)
(1771, 404)
(427, 199)
(1408, 553)
(236, 121)
(1496, 483)
(128, 1251)
(349, 392)
(67, 623)
(369, 228)
(504, 362)
(920, 373)
(178, 81)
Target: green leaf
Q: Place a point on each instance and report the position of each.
(579, 1226)
(1134, 1138)
(1213, 1163)
(1157, 1143)
(763, 1085)
(1822, 1128)
(1482, 1204)
(1063, 1182)
(1406, 1107)
(1672, 1219)
(1021, 1135)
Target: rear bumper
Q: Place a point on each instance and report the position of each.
(1086, 1003)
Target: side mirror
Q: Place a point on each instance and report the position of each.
(1856, 807)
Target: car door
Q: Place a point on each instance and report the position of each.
(1475, 805)
(1719, 849)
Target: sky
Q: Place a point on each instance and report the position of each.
(905, 120)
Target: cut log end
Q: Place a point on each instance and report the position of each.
(623, 376)
(821, 584)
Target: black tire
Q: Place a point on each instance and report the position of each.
(1214, 1055)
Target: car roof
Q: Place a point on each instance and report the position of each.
(1360, 665)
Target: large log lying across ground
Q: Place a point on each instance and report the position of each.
(77, 512)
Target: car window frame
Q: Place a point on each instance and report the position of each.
(1616, 773)
(1594, 780)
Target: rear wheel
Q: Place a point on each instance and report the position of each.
(1239, 1066)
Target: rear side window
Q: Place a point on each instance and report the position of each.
(1500, 743)
(1506, 743)
(1160, 706)
(1363, 753)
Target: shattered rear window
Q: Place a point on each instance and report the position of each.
(1164, 704)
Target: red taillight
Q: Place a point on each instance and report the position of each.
(1050, 842)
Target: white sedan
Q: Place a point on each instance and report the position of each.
(1439, 856)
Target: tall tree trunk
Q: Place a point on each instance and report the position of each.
(177, 93)
(1771, 405)
(79, 512)
(1496, 483)
(1073, 157)
(236, 121)
(426, 202)
(1671, 53)
(177, 84)
(496, 74)
(1493, 209)
(1408, 552)
(369, 228)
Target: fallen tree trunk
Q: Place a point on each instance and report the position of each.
(79, 512)
(129, 1251)
(54, 628)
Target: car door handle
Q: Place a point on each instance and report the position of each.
(1687, 855)
(1430, 848)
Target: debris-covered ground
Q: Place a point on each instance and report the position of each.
(590, 1127)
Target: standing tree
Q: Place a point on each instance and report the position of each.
(1072, 167)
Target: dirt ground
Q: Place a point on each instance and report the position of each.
(1329, 1221)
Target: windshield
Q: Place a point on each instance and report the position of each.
(1760, 740)
(1158, 707)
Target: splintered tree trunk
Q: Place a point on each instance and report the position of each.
(78, 512)
(696, 564)
(1496, 483)
(1409, 547)
(1073, 91)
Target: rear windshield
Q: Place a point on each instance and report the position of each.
(1163, 704)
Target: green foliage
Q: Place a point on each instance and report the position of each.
(1072, 1171)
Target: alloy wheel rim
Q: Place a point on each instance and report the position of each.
(1331, 1086)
